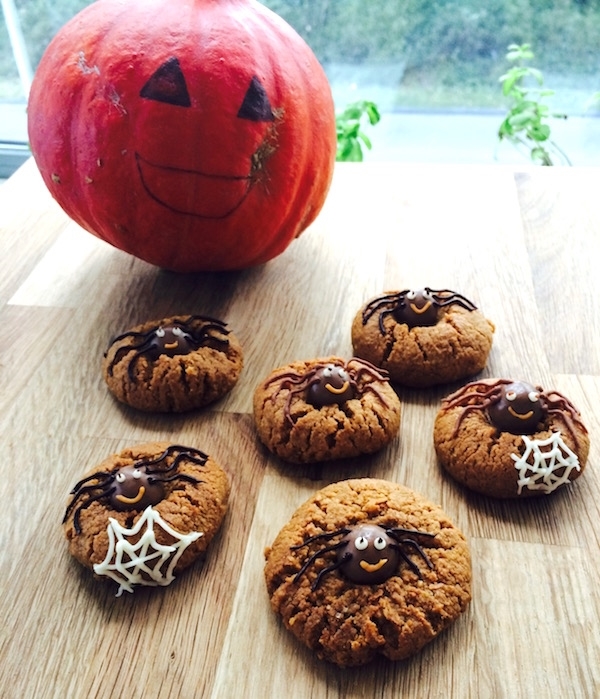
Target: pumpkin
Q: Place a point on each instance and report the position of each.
(193, 134)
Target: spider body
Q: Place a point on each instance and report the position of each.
(366, 554)
(517, 407)
(414, 307)
(134, 486)
(330, 383)
(179, 337)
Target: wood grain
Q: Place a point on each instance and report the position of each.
(524, 246)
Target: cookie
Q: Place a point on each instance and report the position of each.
(173, 365)
(143, 515)
(324, 409)
(509, 439)
(423, 338)
(368, 567)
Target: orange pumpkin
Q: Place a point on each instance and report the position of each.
(193, 134)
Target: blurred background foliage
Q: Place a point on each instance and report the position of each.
(445, 53)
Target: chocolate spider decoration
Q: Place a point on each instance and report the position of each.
(367, 554)
(517, 407)
(329, 383)
(135, 486)
(414, 308)
(180, 337)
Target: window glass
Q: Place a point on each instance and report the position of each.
(432, 68)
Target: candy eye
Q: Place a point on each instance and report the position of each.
(511, 395)
(328, 370)
(361, 543)
(136, 473)
(120, 477)
(342, 374)
(411, 295)
(380, 543)
(534, 396)
(159, 332)
(177, 331)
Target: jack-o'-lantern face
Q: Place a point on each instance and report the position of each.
(198, 184)
(197, 136)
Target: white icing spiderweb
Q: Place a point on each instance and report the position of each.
(546, 464)
(142, 561)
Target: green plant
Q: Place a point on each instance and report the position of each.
(525, 124)
(350, 136)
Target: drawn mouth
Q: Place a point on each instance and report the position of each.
(132, 501)
(418, 310)
(373, 567)
(192, 192)
(520, 416)
(338, 391)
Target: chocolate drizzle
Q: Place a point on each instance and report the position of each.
(329, 383)
(517, 407)
(367, 553)
(121, 487)
(178, 337)
(418, 308)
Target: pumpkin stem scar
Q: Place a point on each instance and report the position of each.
(84, 66)
(266, 149)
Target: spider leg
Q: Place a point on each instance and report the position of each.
(188, 453)
(212, 323)
(563, 414)
(98, 474)
(86, 504)
(316, 537)
(452, 299)
(334, 566)
(120, 352)
(174, 477)
(396, 531)
(387, 300)
(382, 316)
(418, 548)
(316, 554)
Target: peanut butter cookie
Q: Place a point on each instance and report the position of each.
(173, 365)
(143, 515)
(367, 567)
(423, 338)
(324, 409)
(509, 439)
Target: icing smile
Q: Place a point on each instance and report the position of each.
(373, 567)
(423, 309)
(338, 391)
(132, 501)
(520, 416)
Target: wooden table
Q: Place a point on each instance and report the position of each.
(524, 246)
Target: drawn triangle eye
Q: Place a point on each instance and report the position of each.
(167, 84)
(256, 105)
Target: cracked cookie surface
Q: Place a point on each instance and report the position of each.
(143, 515)
(545, 450)
(302, 417)
(455, 346)
(173, 365)
(349, 623)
